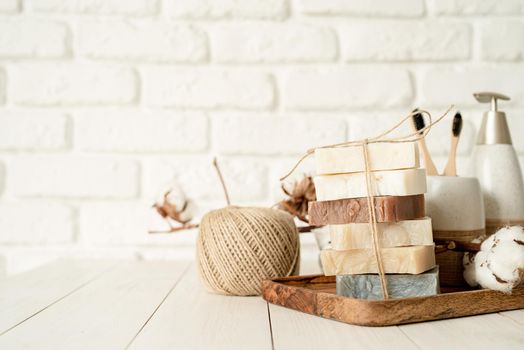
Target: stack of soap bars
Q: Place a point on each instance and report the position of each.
(404, 233)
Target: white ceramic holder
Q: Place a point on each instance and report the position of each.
(455, 203)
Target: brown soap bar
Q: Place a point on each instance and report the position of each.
(345, 211)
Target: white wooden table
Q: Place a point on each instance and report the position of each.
(75, 304)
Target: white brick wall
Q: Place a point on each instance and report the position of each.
(104, 103)
(9, 6)
(246, 178)
(114, 7)
(35, 223)
(442, 86)
(477, 7)
(273, 43)
(2, 86)
(501, 40)
(346, 87)
(376, 8)
(394, 41)
(132, 131)
(72, 177)
(220, 9)
(269, 135)
(72, 84)
(207, 88)
(33, 39)
(141, 40)
(32, 131)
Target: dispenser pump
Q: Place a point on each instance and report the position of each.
(494, 128)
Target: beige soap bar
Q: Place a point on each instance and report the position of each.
(413, 260)
(383, 183)
(393, 234)
(382, 156)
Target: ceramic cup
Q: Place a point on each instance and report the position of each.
(455, 203)
(456, 207)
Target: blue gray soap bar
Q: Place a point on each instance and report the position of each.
(399, 285)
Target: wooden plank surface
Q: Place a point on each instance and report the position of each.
(515, 315)
(162, 305)
(192, 318)
(491, 331)
(296, 330)
(105, 314)
(22, 296)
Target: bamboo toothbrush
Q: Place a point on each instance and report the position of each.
(456, 128)
(419, 123)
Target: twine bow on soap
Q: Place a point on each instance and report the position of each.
(413, 137)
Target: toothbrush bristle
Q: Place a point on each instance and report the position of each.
(418, 120)
(457, 124)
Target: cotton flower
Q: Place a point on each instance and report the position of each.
(173, 204)
(499, 265)
(469, 269)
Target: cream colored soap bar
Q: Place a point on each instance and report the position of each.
(394, 234)
(382, 156)
(414, 260)
(383, 183)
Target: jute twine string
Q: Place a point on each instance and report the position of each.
(373, 222)
(237, 248)
(413, 137)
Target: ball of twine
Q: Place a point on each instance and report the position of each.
(237, 248)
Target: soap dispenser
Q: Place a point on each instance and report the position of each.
(496, 165)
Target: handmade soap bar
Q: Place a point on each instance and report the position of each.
(382, 156)
(415, 259)
(399, 285)
(383, 183)
(345, 211)
(395, 234)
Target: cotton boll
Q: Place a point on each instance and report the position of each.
(172, 195)
(511, 233)
(506, 260)
(469, 269)
(481, 260)
(174, 206)
(489, 242)
(508, 234)
(485, 277)
(500, 263)
(510, 275)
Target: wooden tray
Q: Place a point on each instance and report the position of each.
(316, 295)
